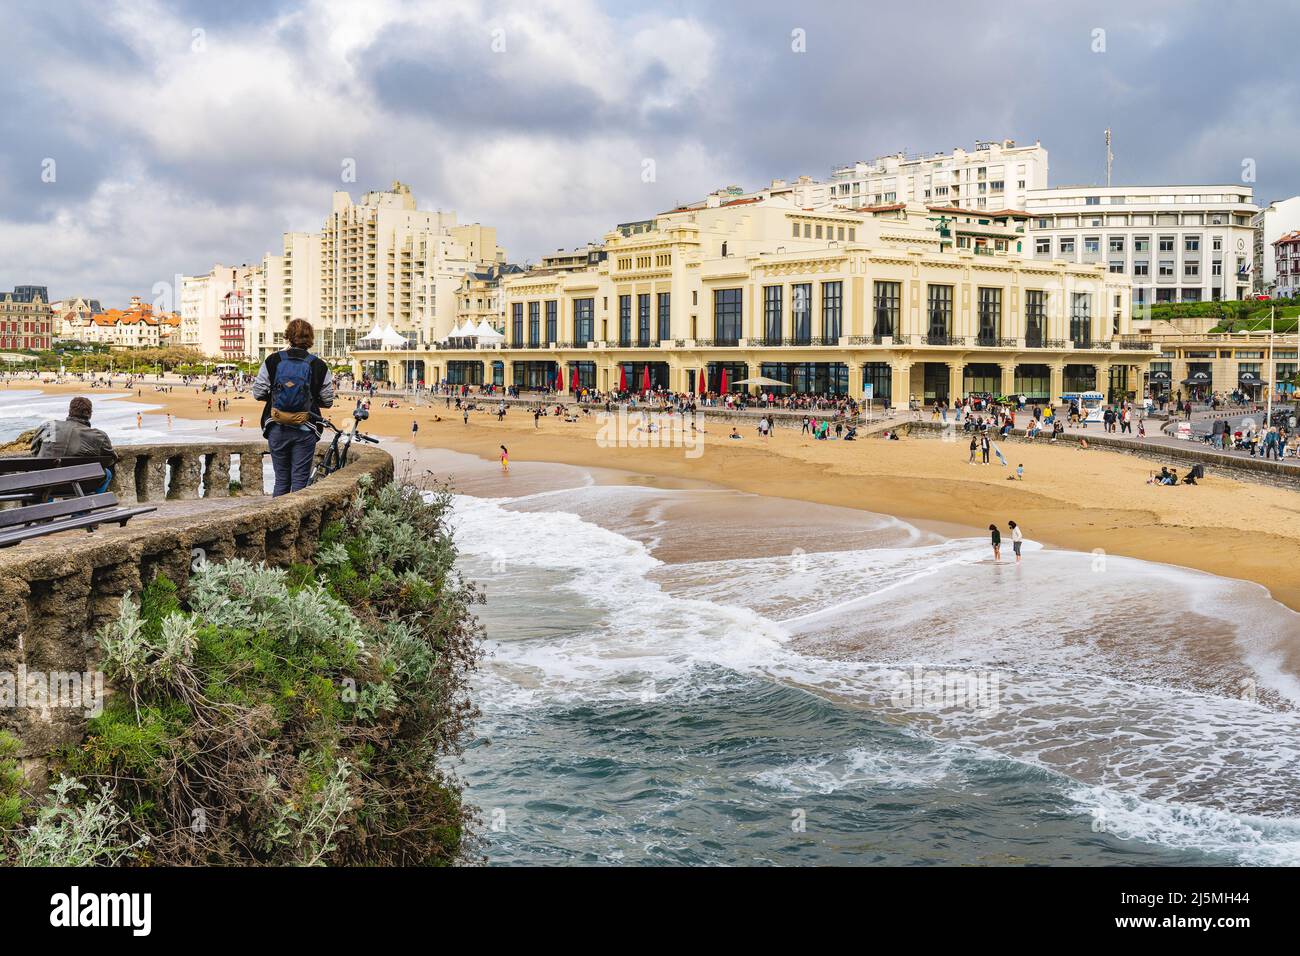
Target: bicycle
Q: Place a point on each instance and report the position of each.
(336, 456)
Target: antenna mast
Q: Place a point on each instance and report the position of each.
(1110, 157)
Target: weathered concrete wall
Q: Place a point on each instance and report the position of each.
(1261, 471)
(56, 592)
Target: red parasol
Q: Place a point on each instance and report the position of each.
(722, 387)
(645, 379)
(573, 387)
(704, 385)
(622, 378)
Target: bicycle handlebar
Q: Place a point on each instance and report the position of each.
(320, 419)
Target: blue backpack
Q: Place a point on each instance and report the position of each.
(291, 393)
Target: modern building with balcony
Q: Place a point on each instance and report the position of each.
(1276, 220)
(994, 175)
(1175, 243)
(920, 304)
(1286, 265)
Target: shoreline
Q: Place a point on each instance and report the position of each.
(1085, 501)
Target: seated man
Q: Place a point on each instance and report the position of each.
(75, 438)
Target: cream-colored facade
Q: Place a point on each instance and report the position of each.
(1194, 362)
(826, 300)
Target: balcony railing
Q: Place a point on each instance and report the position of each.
(717, 343)
(942, 339)
(996, 341)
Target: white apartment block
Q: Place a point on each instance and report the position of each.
(993, 176)
(203, 300)
(384, 263)
(1277, 219)
(1176, 243)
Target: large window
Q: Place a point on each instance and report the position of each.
(990, 316)
(534, 324)
(773, 297)
(880, 376)
(624, 320)
(1081, 318)
(817, 378)
(832, 310)
(665, 316)
(643, 319)
(939, 309)
(887, 296)
(1035, 317)
(584, 318)
(727, 305)
(801, 313)
(552, 321)
(517, 324)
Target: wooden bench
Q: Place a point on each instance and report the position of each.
(41, 516)
(10, 465)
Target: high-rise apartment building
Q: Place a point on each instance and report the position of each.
(386, 264)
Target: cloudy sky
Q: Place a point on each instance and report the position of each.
(144, 139)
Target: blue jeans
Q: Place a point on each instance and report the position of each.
(108, 479)
(292, 450)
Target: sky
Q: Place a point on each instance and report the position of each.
(141, 140)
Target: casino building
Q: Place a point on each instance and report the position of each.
(920, 302)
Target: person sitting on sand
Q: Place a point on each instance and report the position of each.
(734, 434)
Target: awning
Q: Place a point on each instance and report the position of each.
(1159, 376)
(760, 380)
(1249, 378)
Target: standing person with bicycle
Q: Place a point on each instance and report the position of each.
(295, 385)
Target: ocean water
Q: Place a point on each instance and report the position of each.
(114, 412)
(690, 675)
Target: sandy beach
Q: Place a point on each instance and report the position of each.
(1069, 498)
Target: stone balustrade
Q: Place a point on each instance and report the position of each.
(185, 470)
(56, 592)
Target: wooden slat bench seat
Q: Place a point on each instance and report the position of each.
(44, 517)
(41, 485)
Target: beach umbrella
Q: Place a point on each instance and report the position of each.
(645, 379)
(704, 385)
(573, 380)
(722, 386)
(622, 378)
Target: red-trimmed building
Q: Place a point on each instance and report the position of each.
(26, 319)
(1286, 255)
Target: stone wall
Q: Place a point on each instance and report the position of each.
(1261, 471)
(56, 592)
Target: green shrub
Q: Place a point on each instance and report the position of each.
(294, 716)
